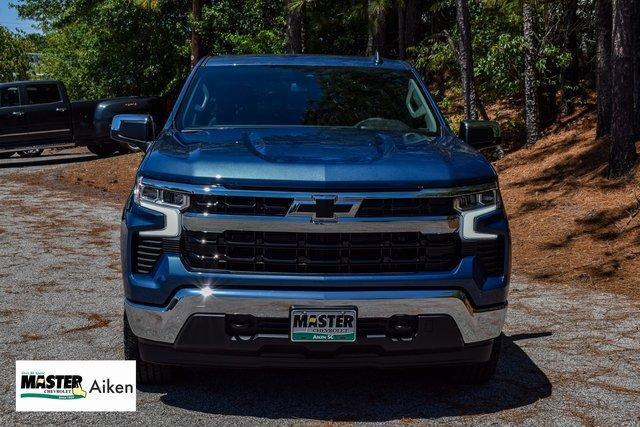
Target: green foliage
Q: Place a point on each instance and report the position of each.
(14, 63)
(240, 27)
(105, 48)
(113, 47)
(498, 49)
(336, 27)
(128, 47)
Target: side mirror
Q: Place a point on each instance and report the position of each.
(480, 133)
(134, 129)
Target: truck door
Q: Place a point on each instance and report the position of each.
(47, 113)
(13, 127)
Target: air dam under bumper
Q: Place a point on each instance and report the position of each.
(450, 331)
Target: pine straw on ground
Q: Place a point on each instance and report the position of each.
(569, 223)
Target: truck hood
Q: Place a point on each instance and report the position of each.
(314, 158)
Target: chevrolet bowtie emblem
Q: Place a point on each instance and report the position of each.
(322, 208)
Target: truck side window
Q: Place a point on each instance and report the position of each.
(43, 93)
(9, 96)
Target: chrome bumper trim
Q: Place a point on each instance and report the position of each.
(163, 324)
(303, 224)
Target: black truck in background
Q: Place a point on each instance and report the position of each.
(35, 115)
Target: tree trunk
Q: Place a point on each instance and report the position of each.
(377, 22)
(530, 85)
(411, 22)
(196, 40)
(604, 21)
(402, 19)
(466, 60)
(636, 65)
(623, 154)
(294, 28)
(569, 77)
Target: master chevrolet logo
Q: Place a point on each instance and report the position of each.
(325, 207)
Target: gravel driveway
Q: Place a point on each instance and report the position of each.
(570, 356)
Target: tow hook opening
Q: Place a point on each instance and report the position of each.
(402, 326)
(241, 325)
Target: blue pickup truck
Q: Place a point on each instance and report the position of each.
(312, 211)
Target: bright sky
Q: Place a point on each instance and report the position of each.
(9, 18)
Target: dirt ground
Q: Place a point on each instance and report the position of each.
(569, 223)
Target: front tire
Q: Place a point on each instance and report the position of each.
(30, 153)
(103, 149)
(146, 373)
(479, 373)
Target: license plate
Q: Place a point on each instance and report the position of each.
(326, 324)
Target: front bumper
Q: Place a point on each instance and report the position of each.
(192, 329)
(163, 324)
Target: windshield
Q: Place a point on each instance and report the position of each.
(365, 98)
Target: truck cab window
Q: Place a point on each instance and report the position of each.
(9, 96)
(347, 97)
(43, 94)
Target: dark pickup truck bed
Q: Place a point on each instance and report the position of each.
(35, 115)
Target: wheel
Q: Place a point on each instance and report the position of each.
(146, 373)
(6, 155)
(125, 149)
(103, 149)
(30, 153)
(479, 373)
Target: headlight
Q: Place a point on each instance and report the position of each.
(159, 196)
(474, 205)
(473, 201)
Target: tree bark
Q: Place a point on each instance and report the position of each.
(377, 22)
(196, 40)
(604, 20)
(569, 77)
(530, 84)
(466, 60)
(411, 22)
(636, 65)
(294, 28)
(402, 29)
(623, 154)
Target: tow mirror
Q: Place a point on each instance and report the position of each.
(480, 133)
(134, 129)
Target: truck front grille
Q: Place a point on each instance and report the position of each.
(320, 253)
(279, 206)
(433, 206)
(233, 205)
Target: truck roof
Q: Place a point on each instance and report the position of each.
(19, 82)
(308, 60)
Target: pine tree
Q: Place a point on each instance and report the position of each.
(604, 21)
(530, 84)
(466, 60)
(623, 154)
(294, 26)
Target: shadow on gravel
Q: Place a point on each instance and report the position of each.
(46, 160)
(358, 395)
